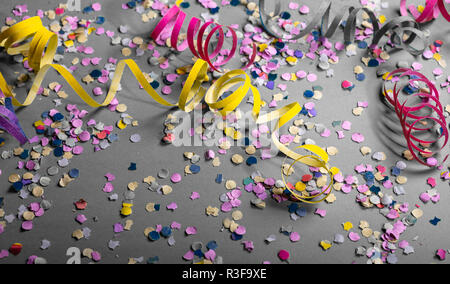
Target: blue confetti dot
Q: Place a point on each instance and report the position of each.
(293, 207)
(88, 9)
(252, 161)
(60, 50)
(113, 137)
(301, 212)
(131, 4)
(155, 84)
(157, 207)
(58, 116)
(166, 232)
(374, 189)
(435, 221)
(214, 10)
(132, 167)
(212, 245)
(100, 20)
(235, 2)
(285, 15)
(308, 94)
(152, 260)
(24, 154)
(154, 236)
(58, 152)
(362, 44)
(360, 77)
(236, 237)
(56, 143)
(96, 74)
(185, 5)
(373, 63)
(198, 253)
(219, 178)
(272, 76)
(317, 174)
(74, 173)
(18, 186)
(194, 169)
(280, 45)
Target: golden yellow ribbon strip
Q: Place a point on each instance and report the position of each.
(42, 48)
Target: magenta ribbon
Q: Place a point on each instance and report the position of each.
(174, 19)
(10, 123)
(409, 119)
(430, 12)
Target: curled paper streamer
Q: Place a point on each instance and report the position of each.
(398, 26)
(10, 123)
(410, 117)
(429, 12)
(174, 19)
(191, 95)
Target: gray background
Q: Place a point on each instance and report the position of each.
(58, 223)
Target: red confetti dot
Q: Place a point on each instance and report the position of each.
(283, 254)
(307, 178)
(15, 249)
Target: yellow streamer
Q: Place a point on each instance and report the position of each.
(42, 48)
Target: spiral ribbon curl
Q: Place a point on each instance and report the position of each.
(410, 117)
(191, 95)
(174, 19)
(397, 26)
(429, 12)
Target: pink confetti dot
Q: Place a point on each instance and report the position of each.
(166, 90)
(191, 230)
(311, 77)
(358, 137)
(175, 178)
(240, 230)
(27, 225)
(108, 187)
(354, 237)
(96, 7)
(294, 237)
(304, 9)
(77, 150)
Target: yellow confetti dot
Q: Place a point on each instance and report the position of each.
(38, 123)
(126, 209)
(68, 43)
(300, 186)
(325, 245)
(292, 60)
(262, 47)
(121, 124)
(347, 226)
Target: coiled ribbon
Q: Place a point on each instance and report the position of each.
(397, 26)
(191, 95)
(174, 19)
(429, 12)
(410, 116)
